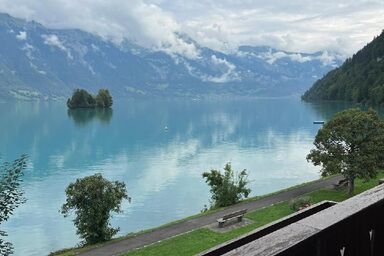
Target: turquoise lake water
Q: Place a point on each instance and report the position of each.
(161, 167)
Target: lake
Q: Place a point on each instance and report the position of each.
(161, 167)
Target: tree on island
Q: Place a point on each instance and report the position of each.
(104, 99)
(227, 188)
(93, 198)
(11, 196)
(83, 99)
(351, 144)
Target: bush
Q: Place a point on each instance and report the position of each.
(11, 195)
(93, 198)
(300, 203)
(104, 99)
(227, 188)
(83, 99)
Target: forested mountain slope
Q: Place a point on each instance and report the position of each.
(358, 79)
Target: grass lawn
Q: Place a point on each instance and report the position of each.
(202, 239)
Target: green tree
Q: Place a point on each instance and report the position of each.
(81, 99)
(351, 143)
(93, 198)
(104, 99)
(11, 196)
(227, 188)
(358, 79)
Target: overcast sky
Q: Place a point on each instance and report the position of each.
(295, 25)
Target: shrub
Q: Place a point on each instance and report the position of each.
(11, 195)
(104, 99)
(227, 188)
(83, 99)
(300, 203)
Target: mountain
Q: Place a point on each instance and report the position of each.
(43, 63)
(359, 79)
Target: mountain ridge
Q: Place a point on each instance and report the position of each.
(43, 63)
(359, 79)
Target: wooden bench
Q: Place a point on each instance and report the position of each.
(238, 214)
(340, 183)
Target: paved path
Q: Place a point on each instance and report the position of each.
(138, 241)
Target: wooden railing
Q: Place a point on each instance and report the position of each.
(361, 234)
(354, 227)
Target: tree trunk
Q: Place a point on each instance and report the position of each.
(351, 186)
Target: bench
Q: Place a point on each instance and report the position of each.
(340, 183)
(238, 214)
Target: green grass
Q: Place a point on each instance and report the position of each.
(340, 195)
(202, 239)
(74, 251)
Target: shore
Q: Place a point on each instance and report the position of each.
(192, 235)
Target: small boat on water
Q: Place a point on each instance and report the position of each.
(318, 122)
(166, 128)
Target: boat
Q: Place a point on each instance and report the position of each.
(318, 122)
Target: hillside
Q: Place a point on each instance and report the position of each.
(360, 78)
(42, 63)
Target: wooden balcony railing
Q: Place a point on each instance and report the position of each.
(354, 227)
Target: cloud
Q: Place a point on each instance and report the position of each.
(28, 50)
(226, 68)
(21, 36)
(54, 41)
(141, 22)
(271, 56)
(296, 26)
(328, 59)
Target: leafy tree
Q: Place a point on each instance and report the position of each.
(351, 143)
(93, 198)
(81, 99)
(104, 99)
(227, 188)
(11, 196)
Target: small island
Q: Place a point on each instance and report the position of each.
(83, 99)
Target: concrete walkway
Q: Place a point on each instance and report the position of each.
(138, 241)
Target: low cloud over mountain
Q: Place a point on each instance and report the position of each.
(40, 62)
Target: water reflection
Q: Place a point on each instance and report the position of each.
(162, 169)
(325, 110)
(83, 116)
